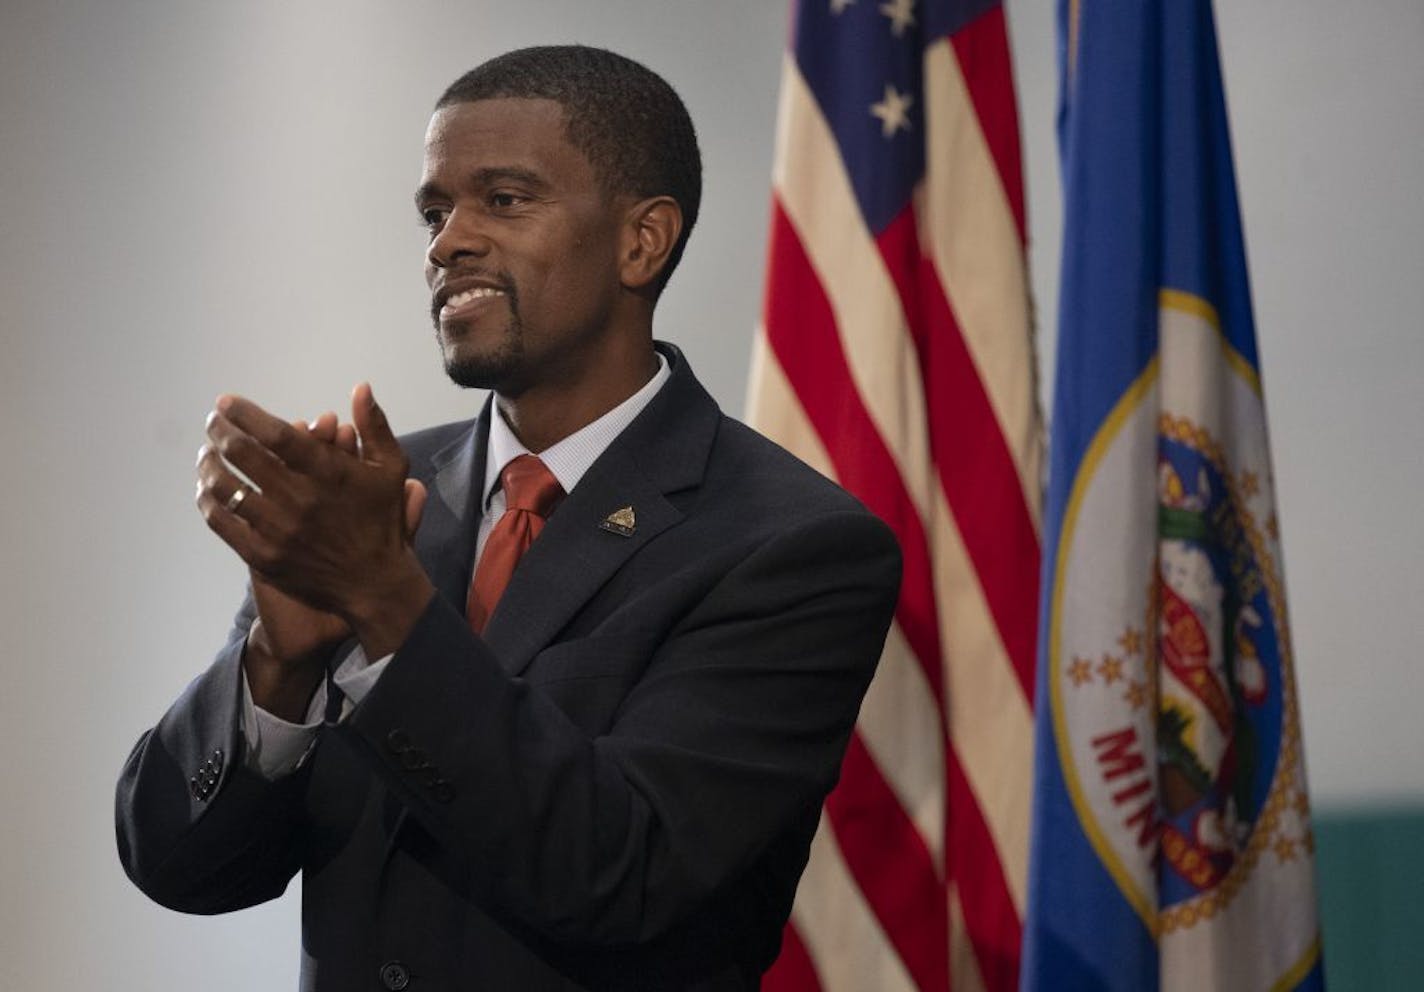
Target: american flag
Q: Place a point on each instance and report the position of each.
(895, 355)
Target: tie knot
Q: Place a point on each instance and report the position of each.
(529, 485)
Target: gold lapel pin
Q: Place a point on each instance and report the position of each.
(621, 522)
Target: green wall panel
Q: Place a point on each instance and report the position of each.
(1370, 864)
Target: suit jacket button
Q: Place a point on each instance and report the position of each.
(395, 976)
(398, 741)
(414, 759)
(443, 791)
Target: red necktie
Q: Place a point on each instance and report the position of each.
(531, 492)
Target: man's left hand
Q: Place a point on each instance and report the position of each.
(322, 524)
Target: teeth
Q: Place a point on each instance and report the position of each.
(460, 299)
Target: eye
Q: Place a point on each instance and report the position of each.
(433, 217)
(503, 199)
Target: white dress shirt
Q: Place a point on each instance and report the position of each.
(276, 747)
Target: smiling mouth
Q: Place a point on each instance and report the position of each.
(467, 300)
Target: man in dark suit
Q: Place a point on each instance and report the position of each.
(553, 722)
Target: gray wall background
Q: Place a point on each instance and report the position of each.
(202, 197)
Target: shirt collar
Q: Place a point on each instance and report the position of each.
(570, 458)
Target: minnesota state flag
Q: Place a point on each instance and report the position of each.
(1171, 842)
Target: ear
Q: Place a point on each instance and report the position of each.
(651, 228)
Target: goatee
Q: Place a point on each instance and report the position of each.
(489, 370)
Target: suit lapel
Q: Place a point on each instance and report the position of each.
(445, 543)
(662, 451)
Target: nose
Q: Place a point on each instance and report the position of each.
(460, 236)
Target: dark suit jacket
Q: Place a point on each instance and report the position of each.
(614, 788)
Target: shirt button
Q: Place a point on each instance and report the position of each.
(395, 976)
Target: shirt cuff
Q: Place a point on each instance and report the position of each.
(276, 747)
(356, 676)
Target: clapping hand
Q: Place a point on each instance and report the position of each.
(325, 528)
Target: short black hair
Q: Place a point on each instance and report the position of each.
(626, 120)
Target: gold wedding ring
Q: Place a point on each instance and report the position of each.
(235, 500)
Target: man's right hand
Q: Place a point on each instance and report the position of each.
(289, 643)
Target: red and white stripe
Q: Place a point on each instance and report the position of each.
(902, 367)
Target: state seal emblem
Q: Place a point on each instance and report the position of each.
(1211, 610)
